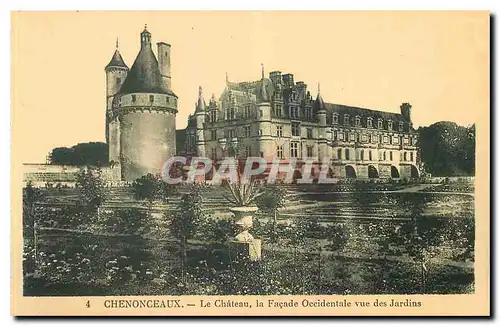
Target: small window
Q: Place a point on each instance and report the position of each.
(380, 123)
(401, 126)
(133, 98)
(390, 156)
(411, 156)
(339, 154)
(151, 98)
(406, 156)
(389, 125)
(309, 133)
(358, 121)
(369, 155)
(347, 153)
(214, 134)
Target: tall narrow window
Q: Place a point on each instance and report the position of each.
(405, 156)
(294, 149)
(151, 98)
(369, 155)
(279, 131)
(339, 154)
(347, 153)
(295, 129)
(346, 119)
(390, 155)
(309, 151)
(411, 156)
(279, 151)
(309, 133)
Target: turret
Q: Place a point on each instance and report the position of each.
(319, 106)
(116, 72)
(200, 115)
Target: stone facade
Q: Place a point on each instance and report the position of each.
(141, 110)
(277, 118)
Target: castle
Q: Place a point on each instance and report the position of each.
(276, 117)
(140, 110)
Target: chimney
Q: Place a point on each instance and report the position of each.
(164, 64)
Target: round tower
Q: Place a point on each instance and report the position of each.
(145, 109)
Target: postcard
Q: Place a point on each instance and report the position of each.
(218, 163)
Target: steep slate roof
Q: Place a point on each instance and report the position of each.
(117, 61)
(362, 112)
(144, 76)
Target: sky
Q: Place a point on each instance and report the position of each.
(437, 61)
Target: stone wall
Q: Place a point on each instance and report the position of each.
(42, 174)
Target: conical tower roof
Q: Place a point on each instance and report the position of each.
(200, 105)
(145, 76)
(319, 104)
(116, 60)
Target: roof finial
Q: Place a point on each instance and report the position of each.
(227, 78)
(262, 65)
(146, 26)
(200, 91)
(318, 88)
(117, 42)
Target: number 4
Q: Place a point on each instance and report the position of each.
(88, 304)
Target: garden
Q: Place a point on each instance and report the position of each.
(172, 241)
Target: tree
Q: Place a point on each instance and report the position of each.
(93, 153)
(421, 237)
(151, 188)
(447, 149)
(92, 188)
(187, 219)
(271, 200)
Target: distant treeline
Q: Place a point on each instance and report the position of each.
(93, 153)
(447, 149)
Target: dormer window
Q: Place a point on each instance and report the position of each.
(401, 126)
(346, 119)
(380, 123)
(369, 123)
(335, 118)
(389, 125)
(358, 121)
